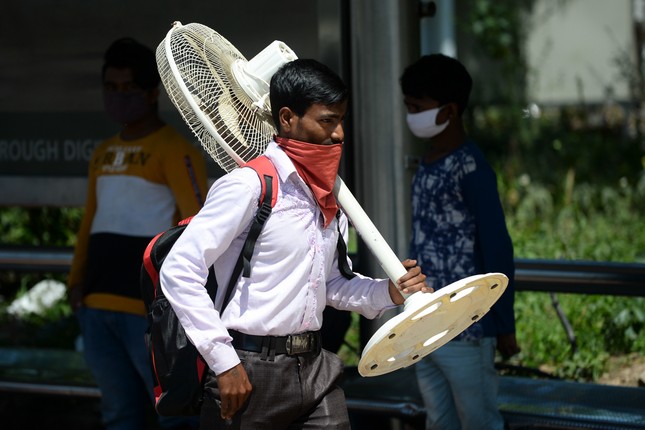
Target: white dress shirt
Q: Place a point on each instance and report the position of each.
(294, 269)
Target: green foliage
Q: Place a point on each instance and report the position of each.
(603, 326)
(572, 189)
(38, 316)
(37, 227)
(349, 351)
(498, 27)
(42, 226)
(572, 182)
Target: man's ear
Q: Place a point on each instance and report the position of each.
(450, 111)
(285, 116)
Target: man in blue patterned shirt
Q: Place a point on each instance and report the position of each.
(458, 230)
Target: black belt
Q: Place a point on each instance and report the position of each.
(293, 344)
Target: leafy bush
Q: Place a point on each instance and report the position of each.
(574, 193)
(38, 316)
(26, 320)
(39, 226)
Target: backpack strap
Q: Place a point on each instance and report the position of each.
(341, 247)
(268, 197)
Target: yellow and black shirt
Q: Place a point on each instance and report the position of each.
(136, 189)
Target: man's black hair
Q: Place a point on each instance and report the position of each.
(439, 77)
(128, 53)
(301, 83)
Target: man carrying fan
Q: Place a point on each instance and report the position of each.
(264, 349)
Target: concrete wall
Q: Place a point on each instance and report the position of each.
(574, 49)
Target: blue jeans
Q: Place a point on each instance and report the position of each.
(116, 353)
(459, 386)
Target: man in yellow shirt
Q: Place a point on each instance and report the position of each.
(140, 182)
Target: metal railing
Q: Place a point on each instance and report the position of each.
(561, 276)
(580, 277)
(36, 259)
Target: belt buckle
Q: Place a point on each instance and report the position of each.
(298, 344)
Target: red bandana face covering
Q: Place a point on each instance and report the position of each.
(317, 165)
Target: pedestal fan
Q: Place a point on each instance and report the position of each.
(224, 100)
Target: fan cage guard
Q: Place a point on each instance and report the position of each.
(204, 58)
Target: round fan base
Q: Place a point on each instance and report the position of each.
(428, 321)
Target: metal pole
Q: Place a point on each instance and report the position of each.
(438, 30)
(384, 38)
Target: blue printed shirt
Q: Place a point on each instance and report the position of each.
(459, 230)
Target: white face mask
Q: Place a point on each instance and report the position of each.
(423, 124)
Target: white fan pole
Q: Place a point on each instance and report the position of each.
(368, 232)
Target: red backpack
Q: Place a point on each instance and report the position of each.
(178, 368)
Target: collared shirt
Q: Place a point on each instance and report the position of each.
(294, 268)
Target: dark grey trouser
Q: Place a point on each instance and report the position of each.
(291, 392)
